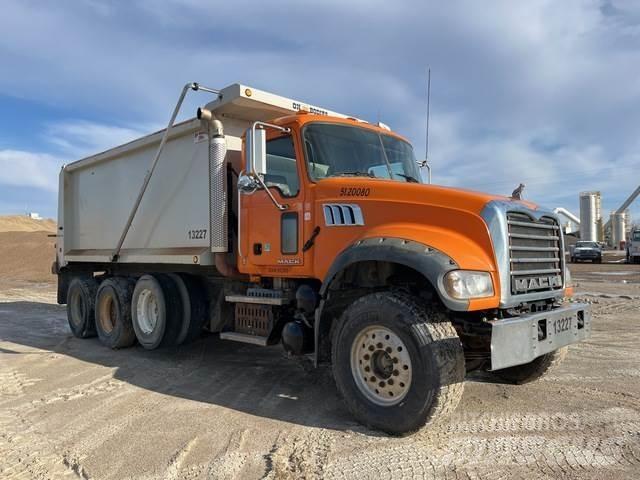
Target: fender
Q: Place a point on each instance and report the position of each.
(431, 263)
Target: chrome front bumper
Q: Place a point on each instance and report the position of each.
(519, 340)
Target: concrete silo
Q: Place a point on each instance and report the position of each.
(618, 229)
(590, 216)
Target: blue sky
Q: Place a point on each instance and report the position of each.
(541, 92)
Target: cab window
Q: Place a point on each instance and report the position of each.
(281, 166)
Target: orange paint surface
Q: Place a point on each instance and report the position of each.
(446, 219)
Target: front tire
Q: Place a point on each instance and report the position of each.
(398, 364)
(532, 371)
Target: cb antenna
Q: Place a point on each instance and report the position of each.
(426, 151)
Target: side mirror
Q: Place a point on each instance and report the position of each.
(256, 160)
(256, 151)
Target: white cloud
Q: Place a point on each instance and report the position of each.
(542, 91)
(80, 138)
(29, 169)
(72, 140)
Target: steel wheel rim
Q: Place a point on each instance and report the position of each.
(381, 365)
(147, 311)
(107, 314)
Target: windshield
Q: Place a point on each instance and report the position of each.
(587, 245)
(343, 150)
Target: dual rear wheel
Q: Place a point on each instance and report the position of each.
(113, 312)
(157, 310)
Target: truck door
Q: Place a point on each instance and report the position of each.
(273, 238)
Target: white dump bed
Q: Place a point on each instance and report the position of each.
(172, 224)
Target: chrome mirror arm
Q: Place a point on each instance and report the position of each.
(256, 175)
(279, 206)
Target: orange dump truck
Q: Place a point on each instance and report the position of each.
(269, 221)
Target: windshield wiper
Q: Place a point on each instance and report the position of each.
(409, 178)
(355, 173)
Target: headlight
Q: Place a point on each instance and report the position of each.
(465, 284)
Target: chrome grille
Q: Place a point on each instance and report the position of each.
(535, 253)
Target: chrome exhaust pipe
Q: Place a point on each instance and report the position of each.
(215, 125)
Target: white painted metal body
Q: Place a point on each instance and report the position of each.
(96, 194)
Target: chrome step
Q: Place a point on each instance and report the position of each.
(244, 338)
(256, 299)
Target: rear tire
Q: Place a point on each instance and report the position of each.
(194, 307)
(532, 371)
(156, 311)
(81, 303)
(113, 312)
(397, 364)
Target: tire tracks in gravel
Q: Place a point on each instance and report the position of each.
(38, 449)
(232, 460)
(13, 383)
(176, 463)
(301, 455)
(555, 445)
(27, 453)
(486, 456)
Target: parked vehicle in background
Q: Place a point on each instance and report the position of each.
(633, 246)
(587, 251)
(270, 221)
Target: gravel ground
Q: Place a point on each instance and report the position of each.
(216, 409)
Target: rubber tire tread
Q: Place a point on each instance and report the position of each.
(88, 288)
(433, 337)
(122, 334)
(199, 307)
(532, 371)
(173, 304)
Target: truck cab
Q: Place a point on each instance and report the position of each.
(282, 223)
